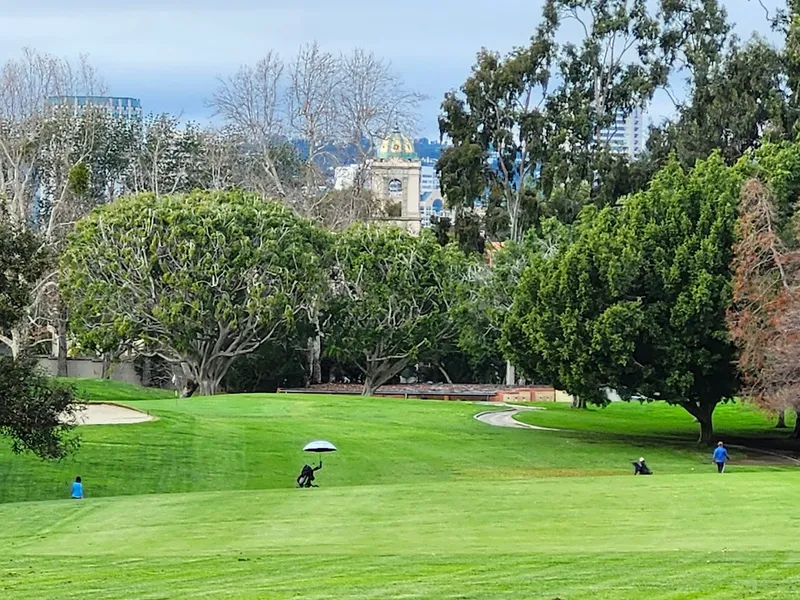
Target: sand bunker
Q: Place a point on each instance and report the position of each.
(109, 414)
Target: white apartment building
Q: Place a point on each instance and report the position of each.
(626, 135)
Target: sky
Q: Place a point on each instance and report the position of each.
(170, 53)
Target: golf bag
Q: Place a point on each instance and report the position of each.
(306, 477)
(640, 468)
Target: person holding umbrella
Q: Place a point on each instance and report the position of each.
(306, 477)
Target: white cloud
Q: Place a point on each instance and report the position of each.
(169, 52)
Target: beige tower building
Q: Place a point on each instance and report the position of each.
(395, 180)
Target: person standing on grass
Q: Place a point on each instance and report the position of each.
(720, 457)
(77, 489)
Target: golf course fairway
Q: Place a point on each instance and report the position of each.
(420, 502)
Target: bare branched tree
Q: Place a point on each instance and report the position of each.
(348, 102)
(372, 100)
(166, 157)
(765, 317)
(251, 99)
(45, 144)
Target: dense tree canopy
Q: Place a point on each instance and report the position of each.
(33, 409)
(197, 280)
(637, 299)
(391, 300)
(526, 128)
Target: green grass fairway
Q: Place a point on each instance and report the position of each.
(421, 502)
(574, 538)
(658, 419)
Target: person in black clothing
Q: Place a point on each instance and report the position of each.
(306, 478)
(640, 467)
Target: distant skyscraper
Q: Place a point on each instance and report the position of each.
(127, 108)
(626, 135)
(428, 179)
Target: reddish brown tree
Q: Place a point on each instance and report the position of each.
(764, 319)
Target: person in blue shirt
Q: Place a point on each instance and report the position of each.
(720, 457)
(77, 489)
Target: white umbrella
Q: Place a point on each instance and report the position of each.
(319, 446)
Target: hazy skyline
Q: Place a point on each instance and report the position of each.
(169, 53)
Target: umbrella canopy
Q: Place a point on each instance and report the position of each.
(319, 446)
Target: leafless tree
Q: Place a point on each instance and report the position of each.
(166, 157)
(222, 157)
(42, 142)
(347, 101)
(251, 100)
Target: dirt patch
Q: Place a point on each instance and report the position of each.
(109, 414)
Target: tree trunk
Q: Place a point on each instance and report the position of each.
(61, 333)
(796, 430)
(369, 388)
(206, 387)
(705, 416)
(706, 431)
(105, 369)
(511, 374)
(578, 402)
(17, 340)
(378, 374)
(781, 419)
(147, 372)
(315, 360)
(208, 377)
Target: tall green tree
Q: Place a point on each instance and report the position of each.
(391, 300)
(622, 58)
(197, 280)
(637, 300)
(498, 115)
(527, 129)
(34, 411)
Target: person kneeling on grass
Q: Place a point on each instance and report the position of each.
(640, 467)
(77, 489)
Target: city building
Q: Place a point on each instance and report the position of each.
(431, 204)
(126, 108)
(400, 180)
(395, 180)
(429, 180)
(344, 177)
(627, 134)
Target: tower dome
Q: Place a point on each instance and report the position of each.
(395, 146)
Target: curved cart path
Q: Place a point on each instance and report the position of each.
(505, 418)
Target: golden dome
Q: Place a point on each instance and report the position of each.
(396, 145)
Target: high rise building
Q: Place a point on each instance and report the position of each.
(626, 135)
(428, 179)
(126, 108)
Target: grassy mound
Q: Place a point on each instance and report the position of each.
(422, 501)
(250, 442)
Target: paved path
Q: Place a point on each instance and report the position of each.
(505, 418)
